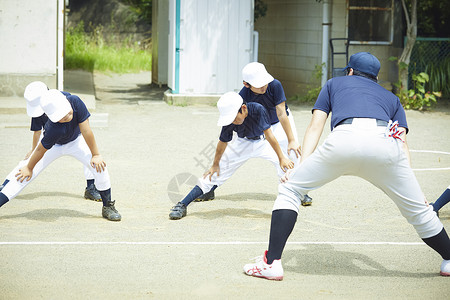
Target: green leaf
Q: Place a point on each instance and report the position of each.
(425, 76)
(403, 65)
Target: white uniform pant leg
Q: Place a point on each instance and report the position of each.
(234, 156)
(394, 176)
(14, 187)
(282, 139)
(326, 163)
(12, 174)
(22, 163)
(88, 173)
(265, 151)
(80, 150)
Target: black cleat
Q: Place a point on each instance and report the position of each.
(306, 201)
(110, 212)
(205, 197)
(178, 211)
(92, 193)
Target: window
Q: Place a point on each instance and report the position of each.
(370, 21)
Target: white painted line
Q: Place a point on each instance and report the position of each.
(431, 151)
(42, 243)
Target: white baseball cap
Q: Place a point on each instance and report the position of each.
(32, 94)
(256, 74)
(55, 105)
(228, 105)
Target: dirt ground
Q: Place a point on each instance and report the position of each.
(352, 243)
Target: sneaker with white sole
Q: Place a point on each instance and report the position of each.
(261, 269)
(445, 268)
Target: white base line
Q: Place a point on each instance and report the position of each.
(431, 151)
(204, 243)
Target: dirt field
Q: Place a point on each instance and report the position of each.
(352, 243)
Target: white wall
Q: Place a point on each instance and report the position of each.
(215, 44)
(29, 44)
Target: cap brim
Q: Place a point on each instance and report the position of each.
(34, 111)
(33, 108)
(225, 120)
(266, 79)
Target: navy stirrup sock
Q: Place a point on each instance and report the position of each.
(106, 197)
(193, 194)
(89, 182)
(440, 243)
(3, 199)
(442, 200)
(5, 182)
(282, 224)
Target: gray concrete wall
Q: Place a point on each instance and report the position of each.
(28, 31)
(291, 42)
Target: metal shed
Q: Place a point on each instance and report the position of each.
(209, 43)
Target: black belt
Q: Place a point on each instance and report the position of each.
(255, 138)
(350, 121)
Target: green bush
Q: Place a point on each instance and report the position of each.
(313, 89)
(90, 52)
(419, 97)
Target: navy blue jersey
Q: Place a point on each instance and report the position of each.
(359, 97)
(270, 99)
(254, 124)
(63, 133)
(38, 122)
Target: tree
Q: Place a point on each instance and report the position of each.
(411, 34)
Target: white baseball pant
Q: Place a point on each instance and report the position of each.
(12, 175)
(238, 151)
(77, 149)
(363, 149)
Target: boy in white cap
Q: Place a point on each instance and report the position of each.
(66, 133)
(250, 121)
(261, 87)
(32, 94)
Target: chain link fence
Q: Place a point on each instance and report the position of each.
(432, 56)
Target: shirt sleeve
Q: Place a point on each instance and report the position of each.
(278, 92)
(50, 136)
(400, 116)
(264, 122)
(82, 111)
(37, 124)
(323, 101)
(226, 134)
